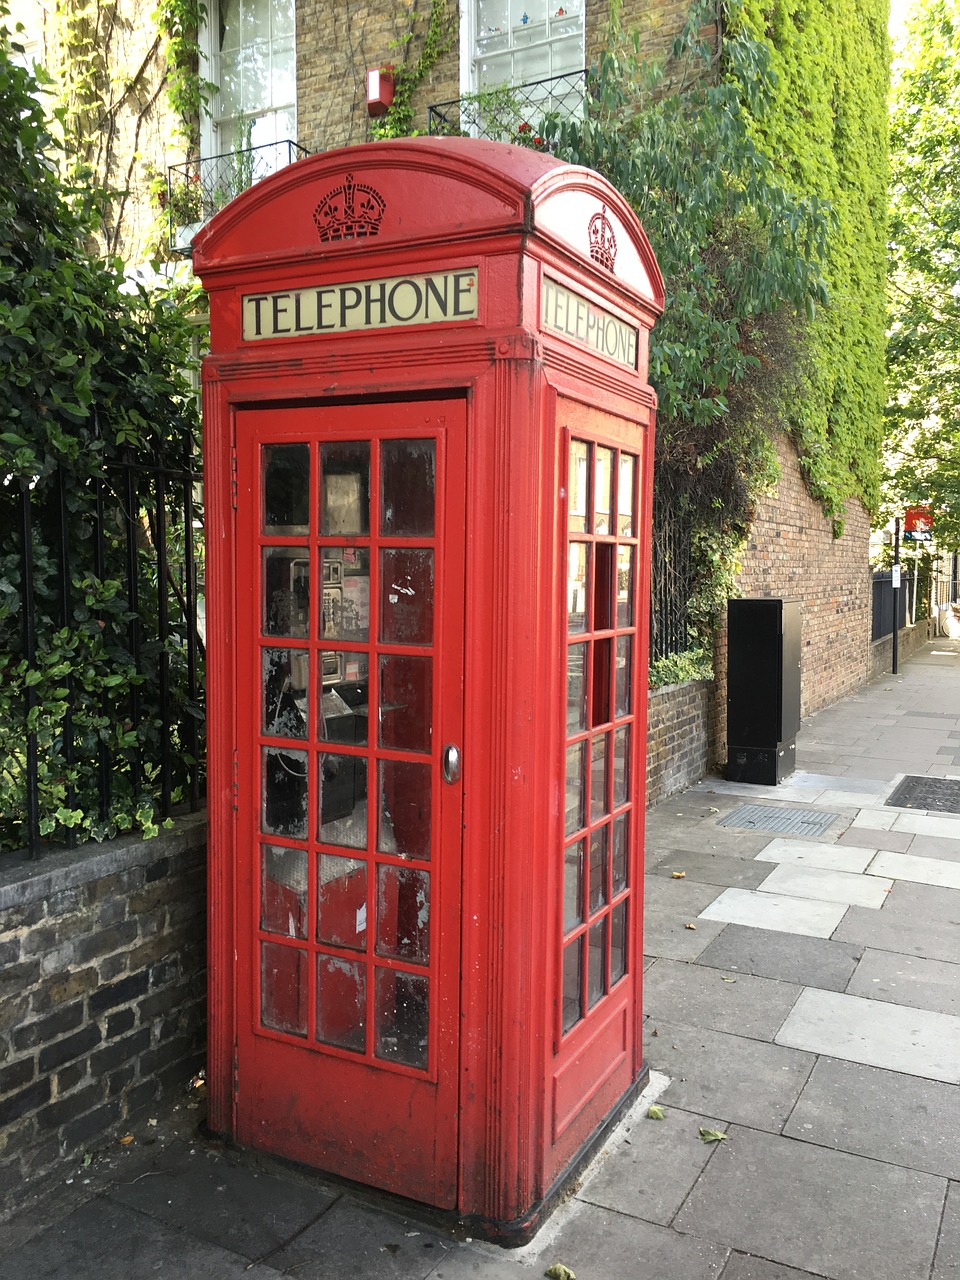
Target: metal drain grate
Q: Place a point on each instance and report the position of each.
(939, 794)
(797, 822)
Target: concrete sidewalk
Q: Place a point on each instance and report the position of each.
(802, 997)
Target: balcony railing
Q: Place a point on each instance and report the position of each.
(510, 113)
(201, 187)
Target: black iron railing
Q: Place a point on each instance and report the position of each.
(672, 582)
(511, 113)
(108, 651)
(200, 188)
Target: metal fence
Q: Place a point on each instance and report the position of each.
(883, 602)
(103, 586)
(671, 582)
(510, 113)
(201, 187)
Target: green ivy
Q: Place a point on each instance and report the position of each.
(679, 668)
(179, 23)
(430, 36)
(94, 376)
(825, 123)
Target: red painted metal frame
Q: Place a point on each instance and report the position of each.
(516, 216)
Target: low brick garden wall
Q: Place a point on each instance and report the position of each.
(102, 994)
(680, 737)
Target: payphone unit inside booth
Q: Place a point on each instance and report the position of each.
(429, 463)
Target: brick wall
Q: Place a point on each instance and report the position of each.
(909, 641)
(337, 40)
(102, 990)
(679, 733)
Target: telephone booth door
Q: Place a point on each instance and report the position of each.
(350, 531)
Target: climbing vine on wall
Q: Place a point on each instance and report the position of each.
(826, 125)
(425, 39)
(179, 23)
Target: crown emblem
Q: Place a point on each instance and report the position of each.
(351, 212)
(603, 243)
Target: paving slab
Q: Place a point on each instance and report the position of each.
(914, 1041)
(873, 838)
(821, 885)
(737, 1079)
(890, 931)
(715, 868)
(696, 996)
(671, 1147)
(835, 1214)
(907, 866)
(925, 824)
(928, 847)
(910, 980)
(102, 1240)
(808, 853)
(775, 911)
(744, 1267)
(599, 1244)
(355, 1242)
(947, 1264)
(466, 1262)
(791, 957)
(876, 819)
(234, 1206)
(885, 1115)
(669, 906)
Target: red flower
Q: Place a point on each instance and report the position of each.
(523, 128)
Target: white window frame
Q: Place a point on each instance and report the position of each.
(469, 81)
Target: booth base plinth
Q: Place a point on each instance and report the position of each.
(508, 1234)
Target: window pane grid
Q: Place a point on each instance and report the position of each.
(329, 976)
(601, 607)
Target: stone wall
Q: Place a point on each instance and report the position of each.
(102, 994)
(909, 641)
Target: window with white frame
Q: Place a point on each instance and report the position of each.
(251, 55)
(520, 42)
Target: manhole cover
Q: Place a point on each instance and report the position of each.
(798, 822)
(939, 794)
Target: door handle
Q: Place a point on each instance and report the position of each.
(451, 763)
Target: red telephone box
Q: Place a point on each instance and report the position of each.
(428, 465)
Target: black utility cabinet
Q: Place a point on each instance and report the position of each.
(763, 689)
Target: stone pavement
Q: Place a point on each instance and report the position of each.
(801, 997)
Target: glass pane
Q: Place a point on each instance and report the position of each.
(604, 586)
(621, 852)
(283, 890)
(255, 79)
(625, 499)
(284, 793)
(576, 767)
(596, 980)
(408, 471)
(621, 769)
(572, 1002)
(577, 588)
(624, 673)
(285, 675)
(603, 490)
(283, 988)
(618, 942)
(284, 23)
(286, 489)
(576, 688)
(404, 827)
(406, 596)
(343, 704)
(573, 885)
(577, 486)
(342, 1003)
(599, 751)
(286, 591)
(402, 1017)
(343, 800)
(255, 23)
(345, 499)
(346, 593)
(598, 868)
(405, 702)
(403, 913)
(602, 673)
(283, 72)
(342, 901)
(625, 557)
